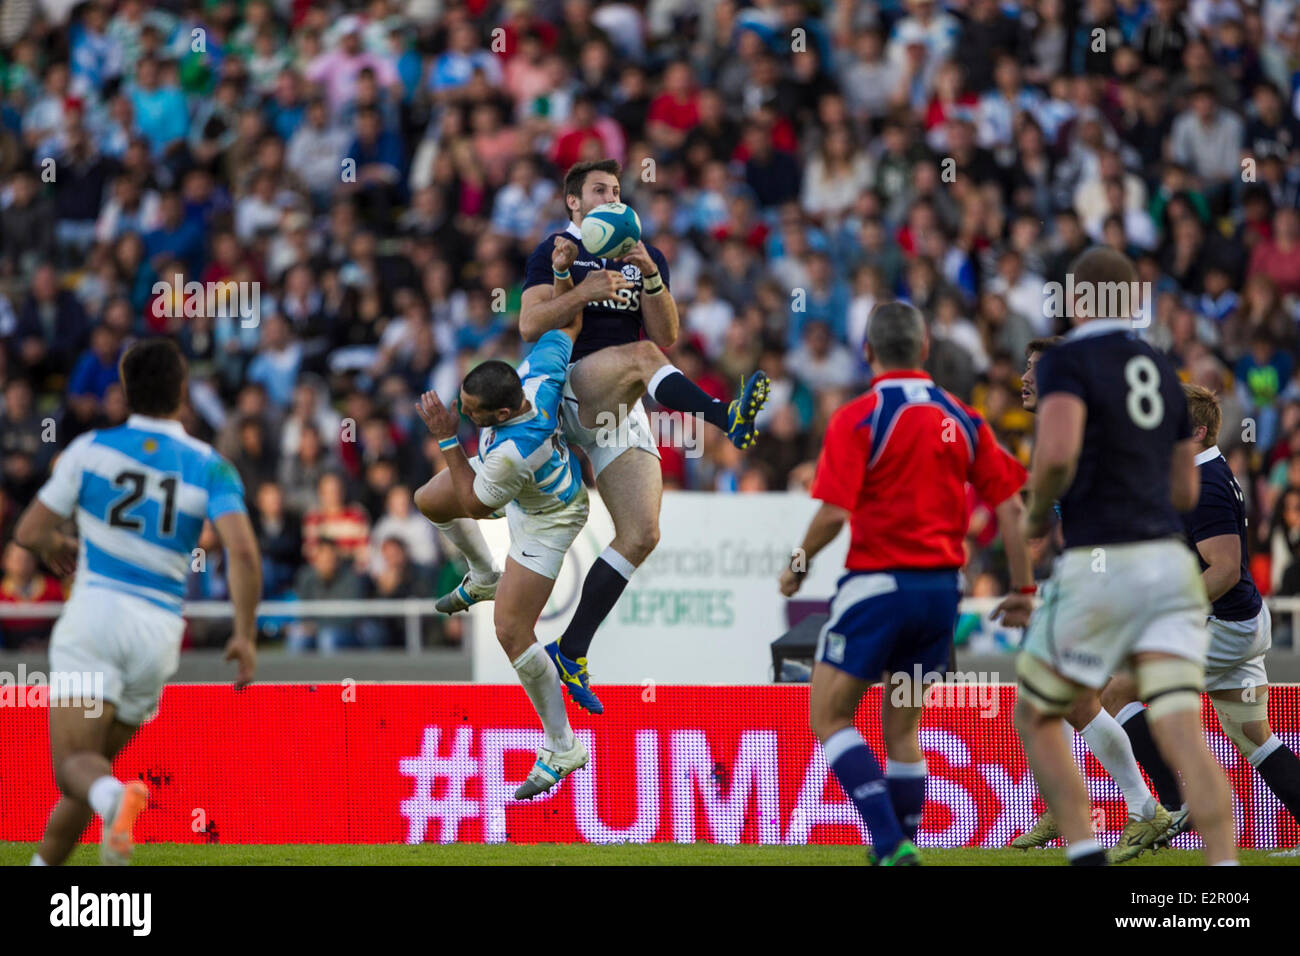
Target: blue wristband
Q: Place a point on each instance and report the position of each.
(560, 275)
(447, 444)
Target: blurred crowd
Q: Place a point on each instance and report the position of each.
(379, 171)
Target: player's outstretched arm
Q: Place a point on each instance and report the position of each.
(443, 424)
(244, 575)
(542, 310)
(822, 530)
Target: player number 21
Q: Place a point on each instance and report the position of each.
(1145, 405)
(134, 483)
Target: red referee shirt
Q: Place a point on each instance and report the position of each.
(898, 459)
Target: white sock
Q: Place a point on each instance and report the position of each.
(104, 794)
(1110, 745)
(1264, 751)
(622, 565)
(537, 674)
(465, 534)
(37, 861)
(655, 380)
(1128, 710)
(904, 771)
(1082, 848)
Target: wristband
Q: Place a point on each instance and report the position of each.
(652, 284)
(560, 275)
(447, 444)
(1028, 589)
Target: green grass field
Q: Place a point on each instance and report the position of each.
(554, 854)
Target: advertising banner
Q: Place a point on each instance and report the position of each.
(704, 607)
(395, 763)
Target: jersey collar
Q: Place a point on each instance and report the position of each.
(907, 374)
(1209, 454)
(167, 425)
(574, 230)
(1099, 327)
(521, 417)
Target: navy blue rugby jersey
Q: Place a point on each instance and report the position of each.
(1220, 510)
(609, 322)
(1136, 413)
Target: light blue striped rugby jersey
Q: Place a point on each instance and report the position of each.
(141, 492)
(526, 459)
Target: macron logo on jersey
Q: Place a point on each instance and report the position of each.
(894, 397)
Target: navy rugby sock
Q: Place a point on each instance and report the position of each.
(672, 389)
(907, 793)
(600, 592)
(1280, 768)
(855, 767)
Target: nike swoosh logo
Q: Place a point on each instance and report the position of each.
(527, 555)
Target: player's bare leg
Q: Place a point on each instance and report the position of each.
(521, 597)
(82, 748)
(1243, 716)
(437, 501)
(1054, 769)
(631, 487)
(608, 382)
(1171, 686)
(833, 702)
(906, 771)
(1043, 698)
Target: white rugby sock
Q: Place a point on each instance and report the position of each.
(465, 534)
(37, 861)
(103, 795)
(1110, 745)
(1264, 751)
(537, 674)
(1082, 848)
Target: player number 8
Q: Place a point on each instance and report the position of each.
(1145, 405)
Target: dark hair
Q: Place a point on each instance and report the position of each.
(153, 373)
(495, 384)
(576, 177)
(1042, 345)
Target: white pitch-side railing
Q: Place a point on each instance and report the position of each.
(413, 609)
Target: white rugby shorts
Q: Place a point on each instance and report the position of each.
(129, 646)
(1104, 604)
(540, 541)
(604, 444)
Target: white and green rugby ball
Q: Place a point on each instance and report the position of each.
(611, 230)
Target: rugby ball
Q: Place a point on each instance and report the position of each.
(610, 230)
